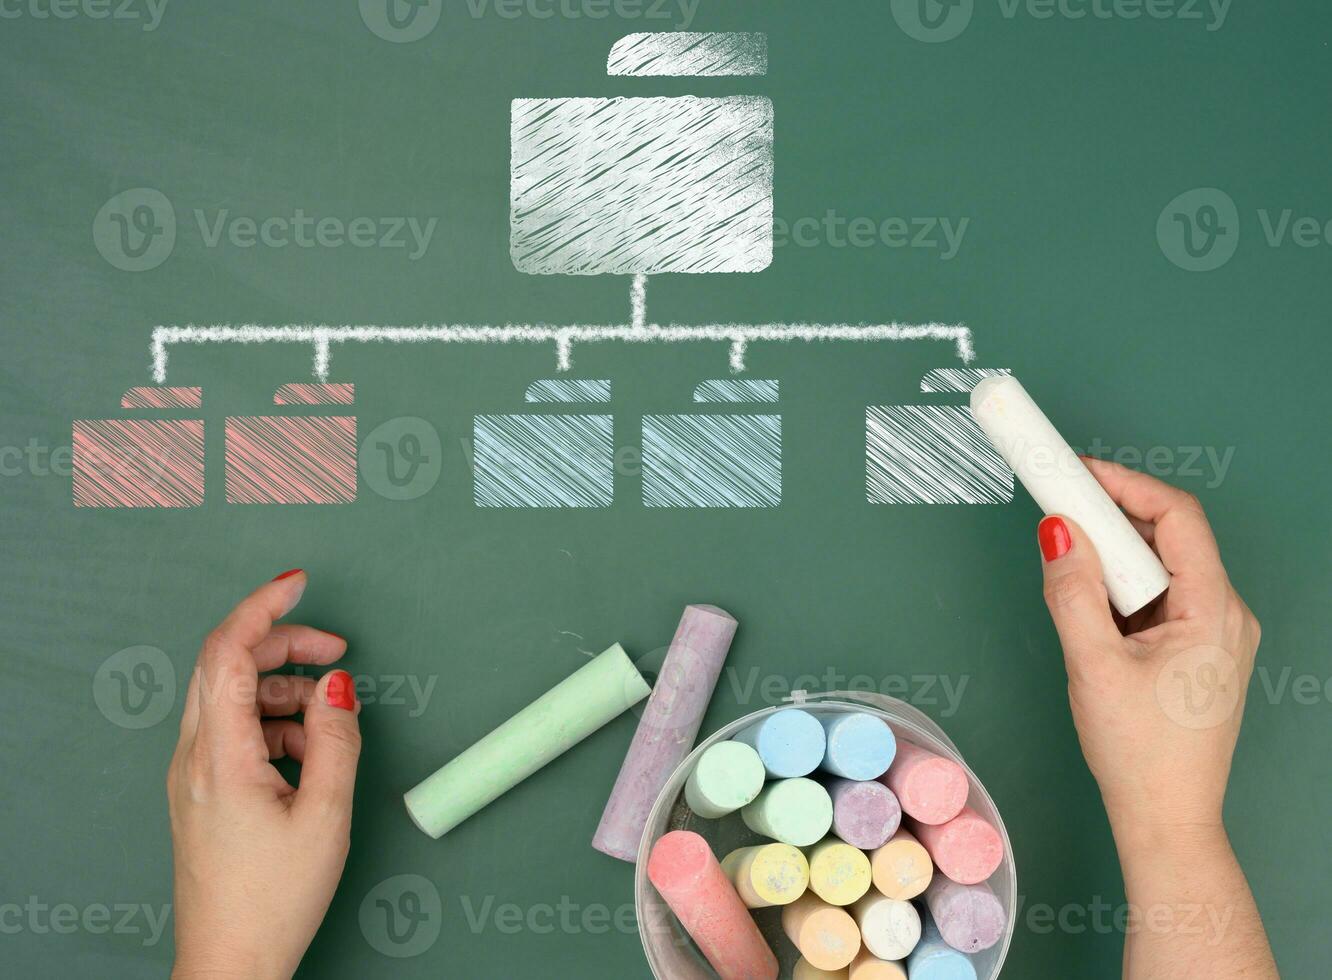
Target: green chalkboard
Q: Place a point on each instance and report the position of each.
(1125, 204)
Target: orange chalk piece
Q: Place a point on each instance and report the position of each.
(867, 966)
(930, 788)
(902, 868)
(684, 870)
(967, 848)
(827, 937)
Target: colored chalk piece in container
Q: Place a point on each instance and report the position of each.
(826, 935)
(867, 966)
(666, 732)
(790, 742)
(838, 873)
(685, 872)
(584, 701)
(934, 959)
(794, 811)
(804, 970)
(865, 814)
(929, 787)
(767, 875)
(889, 928)
(727, 776)
(902, 868)
(859, 746)
(967, 848)
(970, 918)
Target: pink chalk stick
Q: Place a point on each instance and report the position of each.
(970, 918)
(865, 814)
(966, 848)
(668, 728)
(929, 787)
(684, 870)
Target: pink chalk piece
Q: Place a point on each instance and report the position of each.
(970, 918)
(138, 462)
(930, 788)
(301, 459)
(343, 393)
(865, 814)
(684, 870)
(153, 396)
(668, 727)
(967, 848)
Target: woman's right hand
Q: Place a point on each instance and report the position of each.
(1157, 702)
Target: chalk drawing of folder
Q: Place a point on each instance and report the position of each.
(141, 462)
(294, 459)
(715, 460)
(547, 456)
(647, 185)
(934, 453)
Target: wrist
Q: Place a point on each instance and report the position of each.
(1152, 838)
(232, 963)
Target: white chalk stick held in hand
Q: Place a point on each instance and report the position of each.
(1061, 484)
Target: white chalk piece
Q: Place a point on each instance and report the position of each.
(1061, 484)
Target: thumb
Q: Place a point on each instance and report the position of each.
(1075, 591)
(332, 748)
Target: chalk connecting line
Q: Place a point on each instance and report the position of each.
(739, 335)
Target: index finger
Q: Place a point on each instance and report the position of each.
(221, 698)
(1181, 532)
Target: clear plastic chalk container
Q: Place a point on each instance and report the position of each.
(671, 953)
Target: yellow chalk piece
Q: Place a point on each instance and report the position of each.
(838, 873)
(767, 875)
(902, 868)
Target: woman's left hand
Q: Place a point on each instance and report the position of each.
(256, 859)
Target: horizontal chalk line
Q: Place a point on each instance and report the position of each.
(739, 335)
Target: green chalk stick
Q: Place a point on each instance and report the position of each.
(546, 728)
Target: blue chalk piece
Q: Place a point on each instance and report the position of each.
(859, 746)
(790, 742)
(934, 959)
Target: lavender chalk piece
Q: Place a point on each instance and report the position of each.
(934, 959)
(859, 746)
(668, 727)
(602, 689)
(865, 814)
(790, 742)
(726, 777)
(970, 918)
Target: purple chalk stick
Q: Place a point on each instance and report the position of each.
(865, 814)
(970, 917)
(668, 728)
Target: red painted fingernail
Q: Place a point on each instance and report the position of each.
(1054, 538)
(288, 574)
(340, 692)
